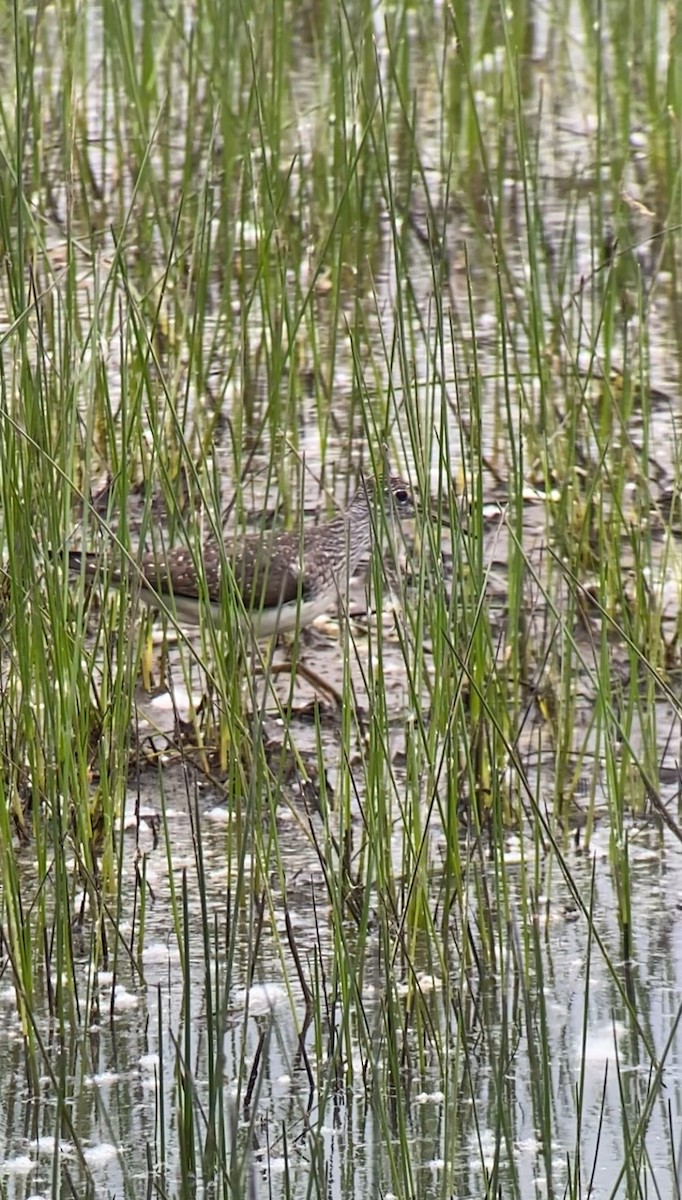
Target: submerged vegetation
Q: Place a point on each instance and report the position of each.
(419, 941)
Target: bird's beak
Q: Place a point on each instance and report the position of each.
(438, 511)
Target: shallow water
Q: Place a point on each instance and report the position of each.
(326, 1133)
(119, 1067)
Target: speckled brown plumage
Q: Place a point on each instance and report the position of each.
(283, 581)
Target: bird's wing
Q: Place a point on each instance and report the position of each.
(176, 572)
(267, 570)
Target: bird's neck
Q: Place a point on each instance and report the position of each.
(358, 524)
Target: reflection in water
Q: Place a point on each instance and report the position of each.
(287, 1110)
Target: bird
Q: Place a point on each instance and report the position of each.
(285, 579)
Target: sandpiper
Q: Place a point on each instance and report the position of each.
(285, 580)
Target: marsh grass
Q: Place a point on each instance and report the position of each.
(252, 245)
